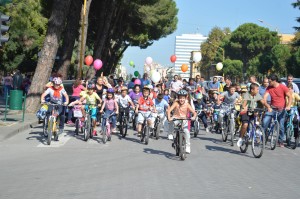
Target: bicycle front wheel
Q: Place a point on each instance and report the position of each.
(124, 127)
(182, 148)
(274, 136)
(147, 129)
(224, 131)
(45, 133)
(50, 130)
(86, 131)
(258, 142)
(77, 126)
(232, 130)
(104, 135)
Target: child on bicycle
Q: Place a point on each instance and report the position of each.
(181, 108)
(110, 105)
(91, 98)
(143, 108)
(216, 107)
(56, 93)
(294, 108)
(124, 101)
(200, 105)
(161, 106)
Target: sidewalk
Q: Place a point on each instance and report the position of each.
(14, 123)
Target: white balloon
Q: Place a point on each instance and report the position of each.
(197, 57)
(219, 66)
(149, 60)
(155, 77)
(147, 68)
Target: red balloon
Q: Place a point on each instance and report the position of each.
(88, 60)
(173, 58)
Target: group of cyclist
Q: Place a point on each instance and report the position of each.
(194, 99)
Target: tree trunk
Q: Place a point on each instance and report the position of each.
(69, 38)
(46, 60)
(86, 24)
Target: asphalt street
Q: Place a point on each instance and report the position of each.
(125, 168)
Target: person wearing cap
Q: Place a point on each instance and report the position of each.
(91, 98)
(124, 101)
(143, 108)
(161, 106)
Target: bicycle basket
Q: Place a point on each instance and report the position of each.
(41, 114)
(77, 113)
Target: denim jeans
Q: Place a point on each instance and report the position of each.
(113, 119)
(7, 89)
(281, 118)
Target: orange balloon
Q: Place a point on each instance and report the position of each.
(184, 68)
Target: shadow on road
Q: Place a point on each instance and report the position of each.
(163, 153)
(218, 148)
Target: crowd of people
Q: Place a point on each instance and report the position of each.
(175, 99)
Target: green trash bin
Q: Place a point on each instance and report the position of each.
(16, 100)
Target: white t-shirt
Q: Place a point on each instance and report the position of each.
(176, 86)
(124, 101)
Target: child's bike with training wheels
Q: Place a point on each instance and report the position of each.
(179, 143)
(106, 129)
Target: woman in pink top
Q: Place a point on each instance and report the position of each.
(77, 88)
(181, 110)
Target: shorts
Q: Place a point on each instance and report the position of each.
(93, 112)
(245, 118)
(141, 117)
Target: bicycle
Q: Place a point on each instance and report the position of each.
(197, 122)
(52, 123)
(106, 131)
(145, 128)
(77, 113)
(273, 130)
(179, 143)
(87, 124)
(124, 122)
(227, 122)
(292, 140)
(157, 126)
(255, 134)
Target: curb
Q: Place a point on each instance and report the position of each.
(20, 129)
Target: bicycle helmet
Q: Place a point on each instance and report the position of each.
(198, 96)
(57, 80)
(110, 90)
(146, 88)
(91, 86)
(182, 92)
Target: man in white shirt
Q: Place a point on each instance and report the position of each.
(290, 79)
(175, 86)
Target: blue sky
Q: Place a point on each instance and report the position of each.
(200, 16)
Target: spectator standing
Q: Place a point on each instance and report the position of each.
(290, 79)
(17, 80)
(8, 84)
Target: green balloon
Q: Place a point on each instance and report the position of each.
(131, 63)
(136, 73)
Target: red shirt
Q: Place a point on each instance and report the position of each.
(278, 95)
(145, 104)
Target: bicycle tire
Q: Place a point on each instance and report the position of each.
(224, 131)
(90, 125)
(274, 136)
(133, 123)
(124, 127)
(232, 130)
(147, 129)
(45, 133)
(176, 143)
(76, 126)
(289, 134)
(296, 143)
(86, 132)
(159, 126)
(259, 139)
(104, 135)
(182, 152)
(50, 130)
(196, 128)
(245, 144)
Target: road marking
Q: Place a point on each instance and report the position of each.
(62, 140)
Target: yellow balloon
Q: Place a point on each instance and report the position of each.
(219, 66)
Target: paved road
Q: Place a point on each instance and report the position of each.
(124, 168)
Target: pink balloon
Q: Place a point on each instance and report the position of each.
(137, 81)
(98, 64)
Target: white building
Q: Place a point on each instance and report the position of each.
(184, 45)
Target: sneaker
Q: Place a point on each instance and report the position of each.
(70, 122)
(139, 134)
(118, 123)
(188, 149)
(170, 137)
(239, 142)
(114, 130)
(207, 130)
(94, 133)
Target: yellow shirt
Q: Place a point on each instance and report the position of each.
(91, 99)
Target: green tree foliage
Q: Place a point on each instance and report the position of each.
(233, 68)
(297, 5)
(27, 32)
(249, 41)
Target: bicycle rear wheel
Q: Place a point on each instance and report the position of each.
(258, 142)
(44, 127)
(274, 136)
